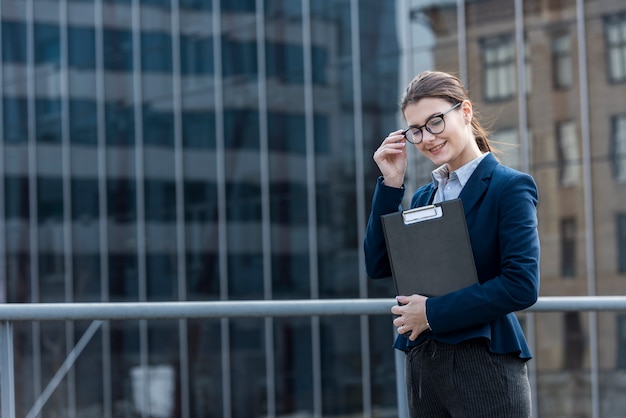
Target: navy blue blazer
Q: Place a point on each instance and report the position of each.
(500, 207)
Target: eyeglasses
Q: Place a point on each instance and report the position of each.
(434, 124)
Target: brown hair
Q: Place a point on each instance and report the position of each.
(445, 86)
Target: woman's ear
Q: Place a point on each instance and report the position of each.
(468, 111)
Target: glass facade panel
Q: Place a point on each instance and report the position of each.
(222, 150)
(118, 50)
(14, 48)
(15, 118)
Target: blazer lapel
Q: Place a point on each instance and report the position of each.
(478, 183)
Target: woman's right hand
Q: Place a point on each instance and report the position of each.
(391, 159)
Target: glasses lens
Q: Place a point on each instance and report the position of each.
(436, 125)
(415, 137)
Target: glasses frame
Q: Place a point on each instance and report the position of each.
(419, 128)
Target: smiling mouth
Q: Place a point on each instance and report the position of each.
(437, 148)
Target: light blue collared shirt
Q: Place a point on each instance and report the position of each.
(449, 186)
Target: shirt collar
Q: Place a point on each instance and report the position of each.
(441, 175)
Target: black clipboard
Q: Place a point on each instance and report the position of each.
(429, 249)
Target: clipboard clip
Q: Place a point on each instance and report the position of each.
(422, 213)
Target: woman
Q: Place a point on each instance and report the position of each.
(466, 352)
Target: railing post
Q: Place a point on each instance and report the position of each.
(7, 384)
(399, 359)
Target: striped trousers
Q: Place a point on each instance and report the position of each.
(466, 380)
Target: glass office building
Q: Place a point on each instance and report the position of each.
(199, 150)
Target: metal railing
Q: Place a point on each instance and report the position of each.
(98, 312)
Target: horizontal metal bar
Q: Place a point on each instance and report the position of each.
(580, 303)
(256, 308)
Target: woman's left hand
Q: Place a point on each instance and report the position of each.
(411, 315)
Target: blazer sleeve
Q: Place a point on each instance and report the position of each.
(386, 200)
(509, 256)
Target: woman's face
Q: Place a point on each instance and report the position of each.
(456, 144)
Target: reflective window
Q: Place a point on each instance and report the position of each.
(196, 55)
(238, 5)
(574, 344)
(120, 124)
(196, 5)
(241, 129)
(160, 201)
(118, 50)
(121, 200)
(17, 197)
(198, 130)
(319, 61)
(569, 155)
(81, 48)
(200, 201)
(83, 122)
(50, 199)
(123, 286)
(156, 52)
(51, 286)
(569, 236)
(286, 203)
(47, 44)
(158, 127)
(85, 200)
(86, 271)
(243, 202)
(286, 131)
(285, 62)
(14, 48)
(239, 58)
(618, 147)
(161, 286)
(48, 119)
(245, 269)
(162, 4)
(498, 55)
(621, 242)
(15, 111)
(621, 341)
(562, 61)
(616, 47)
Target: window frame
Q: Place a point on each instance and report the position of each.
(618, 147)
(615, 50)
(568, 154)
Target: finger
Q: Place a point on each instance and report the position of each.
(396, 310)
(402, 300)
(394, 138)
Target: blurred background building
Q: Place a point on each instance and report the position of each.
(183, 150)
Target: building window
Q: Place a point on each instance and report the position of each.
(156, 52)
(568, 247)
(574, 347)
(14, 49)
(499, 68)
(562, 61)
(615, 32)
(618, 145)
(81, 47)
(621, 342)
(196, 55)
(621, 242)
(568, 154)
(118, 50)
